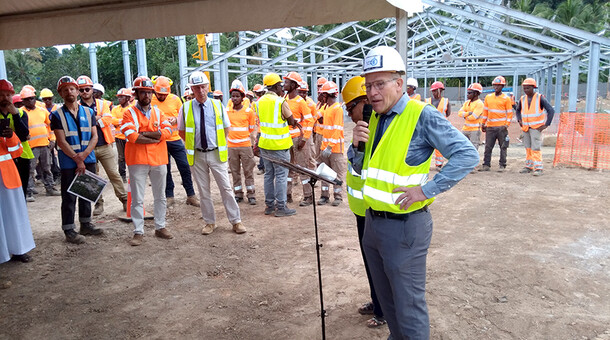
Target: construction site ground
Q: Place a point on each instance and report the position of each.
(512, 257)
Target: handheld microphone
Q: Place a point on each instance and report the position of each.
(367, 111)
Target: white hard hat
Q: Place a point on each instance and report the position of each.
(383, 59)
(236, 84)
(412, 82)
(99, 87)
(198, 78)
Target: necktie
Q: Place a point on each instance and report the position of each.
(204, 138)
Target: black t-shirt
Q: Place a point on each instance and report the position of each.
(100, 135)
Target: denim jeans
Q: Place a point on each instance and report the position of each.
(176, 149)
(276, 177)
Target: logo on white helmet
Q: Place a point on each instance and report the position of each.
(373, 62)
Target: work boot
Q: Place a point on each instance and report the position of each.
(88, 228)
(269, 210)
(537, 173)
(99, 208)
(502, 169)
(169, 202)
(285, 212)
(525, 171)
(193, 200)
(307, 201)
(485, 168)
(239, 199)
(53, 192)
(260, 171)
(30, 198)
(208, 229)
(252, 201)
(289, 198)
(323, 200)
(34, 191)
(24, 258)
(239, 228)
(73, 237)
(163, 233)
(136, 240)
(337, 201)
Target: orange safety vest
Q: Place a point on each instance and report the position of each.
(442, 105)
(332, 133)
(38, 123)
(170, 107)
(52, 137)
(532, 115)
(134, 122)
(243, 123)
(244, 103)
(10, 148)
(302, 114)
(103, 109)
(497, 110)
(117, 120)
(472, 121)
(415, 96)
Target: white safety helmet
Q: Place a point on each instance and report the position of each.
(198, 78)
(412, 82)
(99, 87)
(383, 59)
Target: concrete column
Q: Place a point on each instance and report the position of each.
(558, 87)
(2, 66)
(126, 64)
(593, 77)
(141, 57)
(93, 63)
(573, 92)
(182, 63)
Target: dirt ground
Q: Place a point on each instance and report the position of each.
(512, 257)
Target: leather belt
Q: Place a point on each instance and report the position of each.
(393, 216)
(205, 150)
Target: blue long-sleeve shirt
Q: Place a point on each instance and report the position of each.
(433, 131)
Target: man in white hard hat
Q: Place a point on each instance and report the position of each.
(411, 87)
(203, 124)
(396, 190)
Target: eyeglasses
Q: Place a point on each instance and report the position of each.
(87, 89)
(378, 85)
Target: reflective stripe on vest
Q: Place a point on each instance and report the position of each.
(189, 131)
(442, 105)
(78, 144)
(275, 134)
(27, 150)
(386, 169)
(354, 184)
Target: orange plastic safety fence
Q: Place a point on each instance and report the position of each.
(583, 140)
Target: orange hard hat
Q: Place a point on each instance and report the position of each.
(250, 93)
(217, 93)
(303, 86)
(258, 88)
(65, 81)
(437, 85)
(16, 99)
(329, 87)
(530, 82)
(84, 81)
(6, 85)
(124, 92)
(163, 85)
(143, 83)
(476, 87)
(187, 92)
(499, 80)
(27, 92)
(294, 76)
(321, 81)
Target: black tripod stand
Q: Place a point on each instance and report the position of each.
(313, 179)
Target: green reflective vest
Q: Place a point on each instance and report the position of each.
(354, 184)
(189, 131)
(386, 169)
(27, 151)
(275, 134)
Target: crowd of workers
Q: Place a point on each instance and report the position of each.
(387, 182)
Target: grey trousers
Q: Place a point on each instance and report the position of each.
(42, 154)
(396, 252)
(474, 137)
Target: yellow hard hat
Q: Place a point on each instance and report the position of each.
(271, 79)
(353, 89)
(46, 93)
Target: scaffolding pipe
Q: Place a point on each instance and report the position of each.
(93, 63)
(126, 64)
(182, 63)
